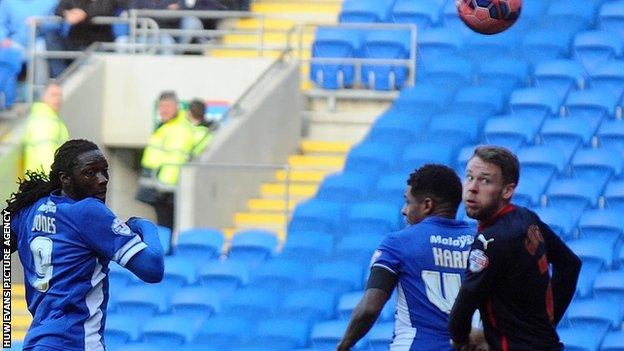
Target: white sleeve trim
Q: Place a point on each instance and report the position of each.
(130, 253)
(130, 245)
(385, 267)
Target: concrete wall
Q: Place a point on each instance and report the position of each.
(267, 131)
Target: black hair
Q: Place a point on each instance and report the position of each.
(37, 184)
(503, 159)
(197, 108)
(168, 95)
(438, 182)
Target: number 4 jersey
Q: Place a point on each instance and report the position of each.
(65, 247)
(429, 259)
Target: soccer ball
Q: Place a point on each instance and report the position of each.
(489, 16)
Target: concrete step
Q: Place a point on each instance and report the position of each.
(295, 191)
(321, 147)
(301, 176)
(316, 162)
(270, 205)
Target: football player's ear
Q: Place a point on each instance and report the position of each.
(65, 178)
(508, 191)
(428, 205)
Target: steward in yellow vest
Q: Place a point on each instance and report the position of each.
(203, 133)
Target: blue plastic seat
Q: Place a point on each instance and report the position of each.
(454, 129)
(386, 44)
(224, 275)
(374, 218)
(424, 98)
(345, 187)
(179, 271)
(143, 301)
(614, 195)
(336, 276)
(609, 286)
(281, 334)
(164, 234)
(358, 247)
(496, 46)
(561, 76)
(528, 192)
(592, 105)
(602, 224)
(279, 274)
(390, 188)
(596, 256)
(573, 194)
(464, 155)
(595, 46)
(317, 215)
(596, 315)
(399, 128)
(223, 332)
(121, 328)
(371, 158)
(199, 244)
(598, 165)
(422, 13)
(169, 330)
(579, 339)
(503, 73)
(541, 163)
(348, 302)
(253, 246)
(141, 346)
(251, 303)
(609, 76)
(479, 100)
(611, 17)
(16, 345)
(418, 154)
(10, 66)
(365, 11)
(307, 246)
(119, 277)
(196, 302)
(438, 42)
(573, 15)
(326, 335)
(450, 72)
(335, 43)
(380, 336)
(534, 104)
(559, 220)
(613, 341)
(568, 134)
(544, 44)
(308, 304)
(510, 131)
(611, 134)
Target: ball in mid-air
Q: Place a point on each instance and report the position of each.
(489, 16)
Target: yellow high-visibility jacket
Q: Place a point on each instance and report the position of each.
(45, 132)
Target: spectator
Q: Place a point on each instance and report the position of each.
(77, 32)
(45, 131)
(203, 134)
(169, 147)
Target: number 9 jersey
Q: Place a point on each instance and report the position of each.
(429, 259)
(65, 247)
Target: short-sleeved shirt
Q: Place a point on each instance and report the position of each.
(65, 247)
(429, 259)
(509, 264)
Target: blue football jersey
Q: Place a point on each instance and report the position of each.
(65, 247)
(429, 258)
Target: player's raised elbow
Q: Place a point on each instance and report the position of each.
(157, 273)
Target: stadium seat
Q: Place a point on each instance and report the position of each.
(143, 301)
(371, 158)
(620, 258)
(224, 275)
(595, 256)
(164, 234)
(121, 328)
(199, 244)
(380, 336)
(421, 99)
(386, 44)
(195, 347)
(400, 128)
(579, 339)
(357, 247)
(454, 129)
(365, 11)
(545, 44)
(559, 220)
(541, 163)
(534, 104)
(596, 46)
(281, 334)
(336, 276)
(169, 330)
(597, 165)
(560, 76)
(573, 15)
(335, 43)
(438, 42)
(613, 341)
(279, 274)
(390, 188)
(345, 187)
(528, 192)
(503, 73)
(567, 134)
(179, 271)
(326, 335)
(611, 17)
(478, 100)
(308, 304)
(509, 131)
(317, 215)
(312, 246)
(603, 224)
(223, 332)
(251, 303)
(348, 302)
(119, 277)
(608, 76)
(16, 345)
(141, 346)
(373, 218)
(614, 195)
(596, 315)
(196, 302)
(422, 13)
(465, 153)
(609, 286)
(10, 66)
(611, 135)
(253, 246)
(418, 154)
(451, 20)
(496, 46)
(573, 194)
(450, 72)
(592, 105)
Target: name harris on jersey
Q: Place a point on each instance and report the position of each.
(456, 256)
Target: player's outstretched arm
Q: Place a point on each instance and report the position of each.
(363, 317)
(148, 264)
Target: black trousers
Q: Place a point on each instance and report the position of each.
(164, 210)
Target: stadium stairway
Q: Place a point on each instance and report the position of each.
(20, 317)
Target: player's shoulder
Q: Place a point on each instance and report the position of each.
(91, 207)
(512, 225)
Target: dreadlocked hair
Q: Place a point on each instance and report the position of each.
(36, 184)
